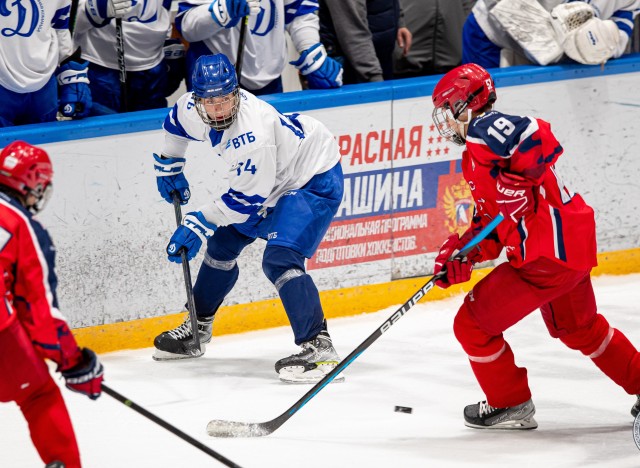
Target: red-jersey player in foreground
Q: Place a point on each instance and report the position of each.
(550, 242)
(31, 327)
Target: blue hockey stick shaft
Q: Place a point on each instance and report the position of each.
(222, 428)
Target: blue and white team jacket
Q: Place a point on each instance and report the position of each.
(34, 38)
(268, 153)
(265, 53)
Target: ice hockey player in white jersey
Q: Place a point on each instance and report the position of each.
(39, 72)
(285, 186)
(214, 26)
(544, 31)
(145, 27)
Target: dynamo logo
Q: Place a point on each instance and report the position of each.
(266, 18)
(23, 14)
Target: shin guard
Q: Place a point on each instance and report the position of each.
(492, 362)
(610, 350)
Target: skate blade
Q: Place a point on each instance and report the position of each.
(520, 424)
(159, 355)
(296, 375)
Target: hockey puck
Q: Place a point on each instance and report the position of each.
(403, 409)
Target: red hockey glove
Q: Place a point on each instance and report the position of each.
(86, 377)
(458, 270)
(515, 196)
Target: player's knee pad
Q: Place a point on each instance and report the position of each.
(226, 244)
(590, 339)
(282, 264)
(476, 342)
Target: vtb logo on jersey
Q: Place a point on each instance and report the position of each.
(23, 16)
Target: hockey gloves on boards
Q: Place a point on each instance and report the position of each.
(74, 95)
(101, 10)
(584, 37)
(227, 13)
(86, 376)
(458, 270)
(190, 235)
(169, 178)
(320, 70)
(515, 196)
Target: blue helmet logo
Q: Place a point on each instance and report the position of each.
(213, 75)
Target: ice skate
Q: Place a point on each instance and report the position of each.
(317, 358)
(484, 416)
(635, 409)
(177, 343)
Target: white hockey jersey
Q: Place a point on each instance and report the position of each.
(34, 38)
(268, 153)
(265, 54)
(622, 12)
(144, 30)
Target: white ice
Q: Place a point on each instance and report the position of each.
(583, 417)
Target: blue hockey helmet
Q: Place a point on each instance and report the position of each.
(215, 91)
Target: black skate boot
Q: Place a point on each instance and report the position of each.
(636, 407)
(55, 464)
(178, 344)
(484, 416)
(317, 358)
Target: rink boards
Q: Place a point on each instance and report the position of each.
(404, 194)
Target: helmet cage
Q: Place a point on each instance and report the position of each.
(227, 106)
(42, 196)
(447, 124)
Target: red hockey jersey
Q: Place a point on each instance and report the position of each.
(27, 259)
(561, 228)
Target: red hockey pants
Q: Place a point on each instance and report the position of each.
(567, 302)
(25, 379)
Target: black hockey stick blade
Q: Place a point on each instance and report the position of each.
(222, 428)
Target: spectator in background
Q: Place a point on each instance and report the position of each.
(145, 27)
(588, 32)
(363, 34)
(214, 27)
(436, 26)
(39, 73)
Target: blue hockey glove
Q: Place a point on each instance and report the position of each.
(321, 71)
(228, 13)
(170, 178)
(175, 61)
(74, 95)
(190, 235)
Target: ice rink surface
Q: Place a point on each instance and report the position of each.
(583, 418)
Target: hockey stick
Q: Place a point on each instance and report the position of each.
(197, 347)
(222, 428)
(187, 438)
(243, 33)
(124, 101)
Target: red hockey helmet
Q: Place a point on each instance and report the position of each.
(27, 170)
(467, 87)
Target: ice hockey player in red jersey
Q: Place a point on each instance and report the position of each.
(31, 327)
(549, 238)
